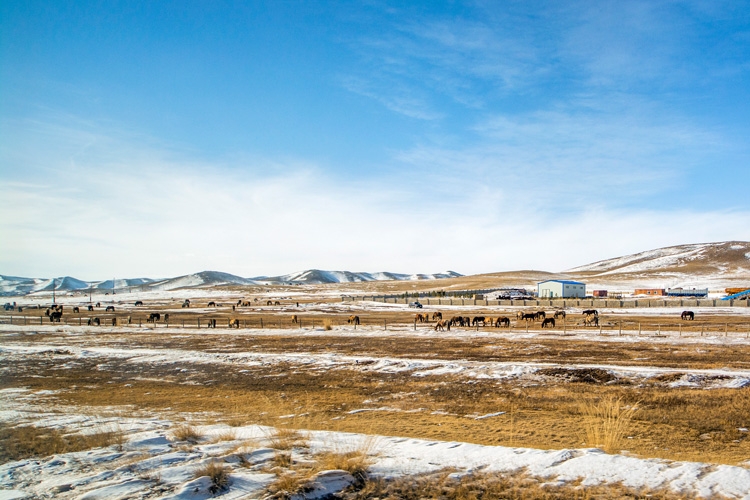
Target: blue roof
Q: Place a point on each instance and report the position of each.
(564, 282)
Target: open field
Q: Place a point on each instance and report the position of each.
(687, 383)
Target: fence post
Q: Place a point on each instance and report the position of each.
(40, 320)
(261, 323)
(385, 325)
(680, 329)
(726, 329)
(415, 325)
(639, 328)
(199, 323)
(11, 320)
(620, 329)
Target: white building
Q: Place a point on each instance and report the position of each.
(551, 289)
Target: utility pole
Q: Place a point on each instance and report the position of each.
(53, 291)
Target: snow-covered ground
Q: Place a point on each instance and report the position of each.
(153, 464)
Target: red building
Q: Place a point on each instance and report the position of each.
(600, 293)
(650, 291)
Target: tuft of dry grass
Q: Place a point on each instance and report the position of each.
(21, 442)
(187, 433)
(287, 439)
(218, 474)
(291, 483)
(282, 460)
(606, 422)
(228, 435)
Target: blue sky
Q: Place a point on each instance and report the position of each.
(260, 138)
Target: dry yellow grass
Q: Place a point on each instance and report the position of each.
(186, 433)
(606, 422)
(217, 472)
(19, 442)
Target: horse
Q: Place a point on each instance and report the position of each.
(419, 317)
(94, 322)
(353, 320)
(295, 320)
(590, 312)
(441, 325)
(54, 316)
(520, 315)
(98, 304)
(269, 303)
(591, 320)
(437, 315)
(76, 309)
(211, 304)
(114, 321)
(548, 322)
(166, 317)
(456, 320)
(186, 303)
(211, 323)
(559, 314)
(502, 321)
(477, 320)
(110, 308)
(529, 317)
(277, 303)
(688, 315)
(153, 318)
(234, 323)
(540, 315)
(138, 303)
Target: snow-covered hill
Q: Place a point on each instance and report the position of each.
(316, 276)
(14, 286)
(702, 264)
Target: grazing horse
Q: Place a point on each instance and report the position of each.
(559, 314)
(548, 322)
(590, 312)
(54, 316)
(419, 317)
(295, 320)
(437, 315)
(539, 315)
(277, 303)
(502, 321)
(114, 321)
(98, 304)
(688, 315)
(442, 324)
(456, 320)
(153, 318)
(186, 303)
(76, 309)
(529, 317)
(591, 320)
(110, 308)
(520, 315)
(353, 320)
(211, 304)
(269, 303)
(90, 307)
(166, 317)
(94, 322)
(477, 320)
(211, 323)
(234, 323)
(138, 303)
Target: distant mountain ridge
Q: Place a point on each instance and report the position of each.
(14, 285)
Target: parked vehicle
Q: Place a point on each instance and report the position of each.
(415, 304)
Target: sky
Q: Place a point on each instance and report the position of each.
(156, 139)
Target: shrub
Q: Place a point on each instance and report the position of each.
(186, 433)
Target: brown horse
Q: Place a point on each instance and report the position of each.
(441, 325)
(548, 323)
(353, 320)
(295, 320)
(559, 314)
(437, 315)
(502, 321)
(688, 315)
(420, 318)
(234, 323)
